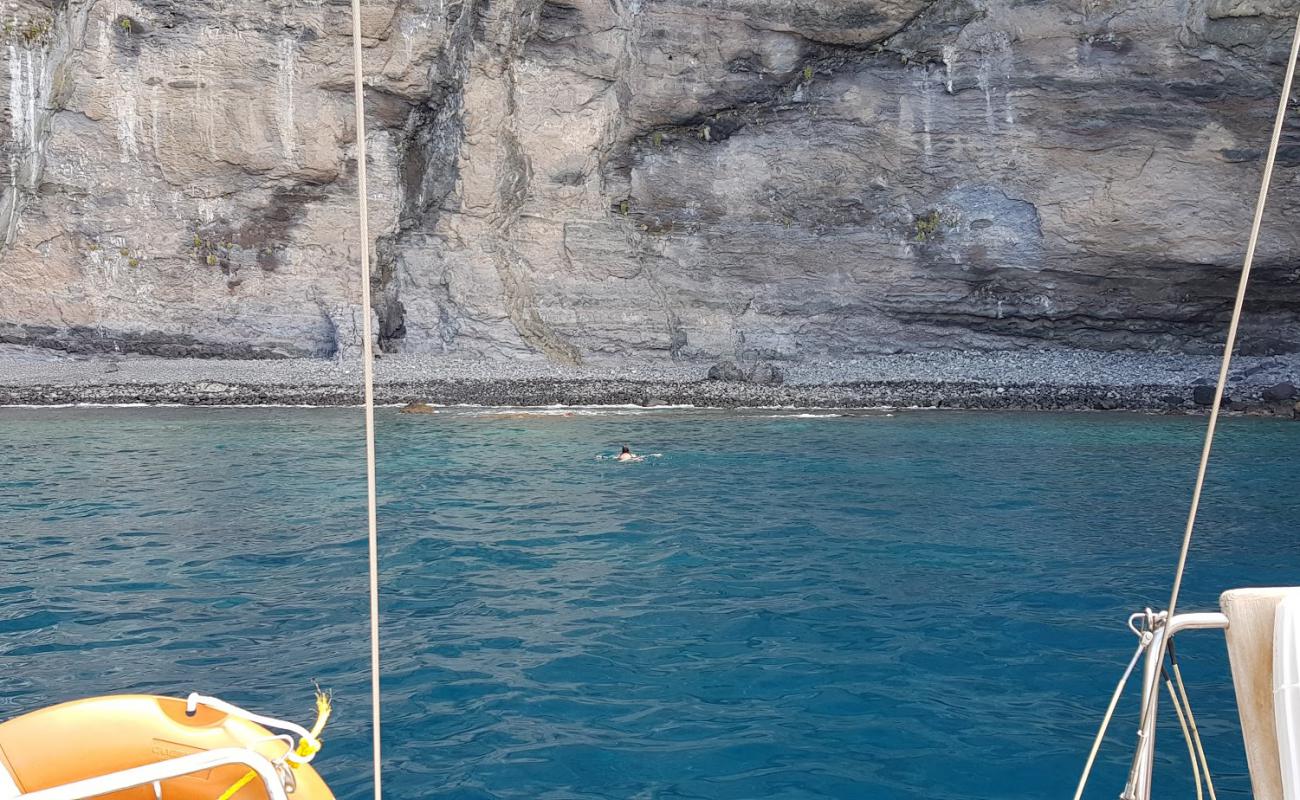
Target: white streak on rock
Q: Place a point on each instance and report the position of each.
(127, 122)
(985, 82)
(155, 122)
(18, 85)
(927, 113)
(284, 111)
(949, 61)
(28, 86)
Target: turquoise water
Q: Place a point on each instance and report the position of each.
(928, 605)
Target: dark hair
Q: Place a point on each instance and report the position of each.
(625, 450)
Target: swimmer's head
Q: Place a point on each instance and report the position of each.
(626, 450)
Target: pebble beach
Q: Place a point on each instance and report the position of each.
(1050, 380)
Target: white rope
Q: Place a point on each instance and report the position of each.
(194, 700)
(1110, 712)
(1236, 318)
(367, 357)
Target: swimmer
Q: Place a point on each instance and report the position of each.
(627, 455)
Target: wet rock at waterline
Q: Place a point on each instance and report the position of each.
(582, 181)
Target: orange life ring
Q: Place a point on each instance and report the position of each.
(100, 735)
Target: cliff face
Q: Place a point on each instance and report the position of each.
(591, 179)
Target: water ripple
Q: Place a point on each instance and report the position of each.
(918, 606)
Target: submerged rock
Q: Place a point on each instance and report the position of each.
(418, 408)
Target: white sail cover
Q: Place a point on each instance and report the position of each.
(1253, 628)
(1286, 692)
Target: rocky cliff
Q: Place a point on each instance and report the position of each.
(584, 180)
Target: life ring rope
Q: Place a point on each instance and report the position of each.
(309, 742)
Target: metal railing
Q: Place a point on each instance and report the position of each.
(1144, 761)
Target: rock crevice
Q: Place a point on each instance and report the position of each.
(581, 181)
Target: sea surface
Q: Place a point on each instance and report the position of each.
(926, 605)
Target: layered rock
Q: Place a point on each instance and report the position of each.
(584, 180)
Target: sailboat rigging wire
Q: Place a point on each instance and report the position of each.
(1187, 734)
(1191, 720)
(1284, 99)
(1144, 641)
(1229, 344)
(367, 361)
(1231, 340)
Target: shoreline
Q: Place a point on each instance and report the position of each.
(648, 394)
(1038, 380)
